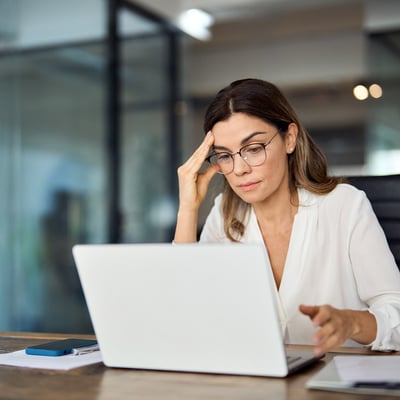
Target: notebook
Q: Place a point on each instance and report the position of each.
(207, 308)
(366, 374)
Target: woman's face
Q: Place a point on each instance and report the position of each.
(255, 184)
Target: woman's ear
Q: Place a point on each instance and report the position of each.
(291, 138)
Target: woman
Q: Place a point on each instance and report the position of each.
(337, 281)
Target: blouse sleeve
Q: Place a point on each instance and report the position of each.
(376, 273)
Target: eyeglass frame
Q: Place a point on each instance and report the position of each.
(232, 155)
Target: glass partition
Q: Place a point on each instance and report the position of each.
(54, 180)
(384, 117)
(53, 176)
(55, 169)
(147, 170)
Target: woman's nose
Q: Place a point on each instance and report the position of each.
(240, 165)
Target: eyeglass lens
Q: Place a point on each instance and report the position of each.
(254, 154)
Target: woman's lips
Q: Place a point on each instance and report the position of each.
(246, 187)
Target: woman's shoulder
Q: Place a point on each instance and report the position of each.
(340, 190)
(343, 194)
(345, 190)
(218, 198)
(213, 229)
(216, 207)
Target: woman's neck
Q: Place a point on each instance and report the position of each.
(278, 209)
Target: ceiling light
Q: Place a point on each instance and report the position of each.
(360, 92)
(375, 91)
(196, 23)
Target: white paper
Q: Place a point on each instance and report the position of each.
(368, 368)
(21, 359)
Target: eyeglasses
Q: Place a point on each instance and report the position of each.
(254, 154)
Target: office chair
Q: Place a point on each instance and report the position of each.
(384, 194)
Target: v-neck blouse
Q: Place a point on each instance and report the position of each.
(337, 255)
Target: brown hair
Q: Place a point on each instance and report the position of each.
(261, 99)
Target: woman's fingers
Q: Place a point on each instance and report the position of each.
(193, 185)
(197, 159)
(335, 326)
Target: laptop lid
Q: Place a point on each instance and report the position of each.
(189, 307)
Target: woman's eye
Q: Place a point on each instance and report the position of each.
(223, 157)
(253, 149)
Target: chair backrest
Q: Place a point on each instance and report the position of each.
(384, 195)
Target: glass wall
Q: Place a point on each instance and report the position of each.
(147, 194)
(54, 160)
(384, 111)
(53, 180)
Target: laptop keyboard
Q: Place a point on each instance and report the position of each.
(292, 360)
(299, 359)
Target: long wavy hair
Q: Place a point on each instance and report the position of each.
(307, 164)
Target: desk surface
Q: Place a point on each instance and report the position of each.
(100, 382)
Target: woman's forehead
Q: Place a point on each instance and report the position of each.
(240, 127)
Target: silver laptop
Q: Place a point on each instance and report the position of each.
(190, 307)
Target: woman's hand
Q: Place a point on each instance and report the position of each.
(193, 186)
(336, 326)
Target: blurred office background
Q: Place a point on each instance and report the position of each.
(101, 100)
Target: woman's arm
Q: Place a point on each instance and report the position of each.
(193, 187)
(376, 273)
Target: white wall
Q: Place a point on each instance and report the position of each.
(295, 62)
(381, 15)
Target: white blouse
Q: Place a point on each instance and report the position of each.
(337, 255)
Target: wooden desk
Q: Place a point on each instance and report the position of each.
(100, 382)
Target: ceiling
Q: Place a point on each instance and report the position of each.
(223, 10)
(315, 49)
(377, 11)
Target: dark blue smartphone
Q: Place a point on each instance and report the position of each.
(59, 347)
